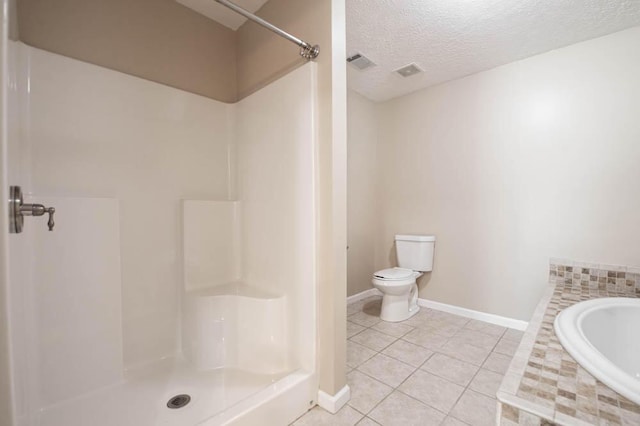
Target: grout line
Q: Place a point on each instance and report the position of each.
(423, 403)
(433, 351)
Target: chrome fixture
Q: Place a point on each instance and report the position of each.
(307, 50)
(18, 210)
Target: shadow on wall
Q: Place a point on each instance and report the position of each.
(393, 260)
(423, 281)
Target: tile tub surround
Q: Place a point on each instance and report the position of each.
(435, 368)
(544, 385)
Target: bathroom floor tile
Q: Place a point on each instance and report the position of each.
(369, 305)
(434, 391)
(426, 338)
(486, 382)
(421, 319)
(444, 328)
(475, 409)
(435, 368)
(452, 421)
(317, 416)
(402, 410)
(372, 306)
(357, 354)
(460, 349)
(512, 334)
(366, 392)
(497, 362)
(485, 327)
(445, 317)
(387, 370)
(364, 319)
(373, 339)
(353, 329)
(451, 369)
(506, 346)
(477, 338)
(395, 329)
(408, 353)
(366, 421)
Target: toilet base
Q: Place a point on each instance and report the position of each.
(396, 308)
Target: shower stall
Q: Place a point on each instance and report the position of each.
(178, 286)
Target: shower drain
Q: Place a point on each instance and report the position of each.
(179, 401)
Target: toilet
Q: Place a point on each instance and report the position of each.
(398, 285)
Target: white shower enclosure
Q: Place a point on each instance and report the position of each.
(182, 261)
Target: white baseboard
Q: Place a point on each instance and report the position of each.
(363, 295)
(452, 309)
(332, 403)
(469, 313)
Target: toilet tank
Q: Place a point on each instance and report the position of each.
(415, 252)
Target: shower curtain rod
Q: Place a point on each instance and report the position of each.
(306, 50)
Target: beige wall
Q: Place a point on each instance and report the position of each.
(362, 211)
(333, 174)
(159, 40)
(13, 20)
(512, 166)
(263, 57)
(165, 42)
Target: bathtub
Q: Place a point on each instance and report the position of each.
(603, 336)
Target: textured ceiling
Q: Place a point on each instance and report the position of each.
(449, 39)
(221, 14)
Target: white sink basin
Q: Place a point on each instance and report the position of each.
(603, 336)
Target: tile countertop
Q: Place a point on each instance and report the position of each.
(544, 385)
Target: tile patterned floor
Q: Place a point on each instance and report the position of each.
(433, 369)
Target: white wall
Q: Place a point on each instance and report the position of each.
(512, 166)
(362, 208)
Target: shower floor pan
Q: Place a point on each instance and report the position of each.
(142, 398)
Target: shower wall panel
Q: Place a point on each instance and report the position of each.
(276, 173)
(92, 132)
(78, 308)
(116, 155)
(211, 243)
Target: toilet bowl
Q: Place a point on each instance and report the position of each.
(400, 293)
(398, 285)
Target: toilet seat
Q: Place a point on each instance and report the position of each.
(395, 274)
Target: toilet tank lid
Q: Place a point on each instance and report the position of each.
(405, 237)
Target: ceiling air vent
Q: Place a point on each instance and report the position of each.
(359, 61)
(409, 70)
